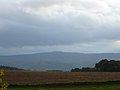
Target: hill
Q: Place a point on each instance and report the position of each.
(9, 68)
(55, 60)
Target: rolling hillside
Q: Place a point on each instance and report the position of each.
(55, 60)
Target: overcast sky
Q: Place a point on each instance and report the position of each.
(85, 26)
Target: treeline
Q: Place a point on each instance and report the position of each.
(103, 65)
(108, 66)
(84, 69)
(9, 68)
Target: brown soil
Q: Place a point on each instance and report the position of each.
(31, 77)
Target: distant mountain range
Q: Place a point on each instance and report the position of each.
(56, 60)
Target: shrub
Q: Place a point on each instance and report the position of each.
(3, 84)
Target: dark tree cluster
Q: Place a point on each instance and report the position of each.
(9, 68)
(84, 69)
(102, 66)
(108, 66)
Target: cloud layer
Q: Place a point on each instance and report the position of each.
(50, 25)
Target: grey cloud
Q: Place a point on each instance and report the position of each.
(18, 35)
(20, 29)
(22, 35)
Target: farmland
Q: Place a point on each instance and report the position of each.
(36, 78)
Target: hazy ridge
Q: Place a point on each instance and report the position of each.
(56, 60)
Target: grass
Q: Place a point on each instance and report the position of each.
(94, 86)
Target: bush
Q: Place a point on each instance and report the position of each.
(3, 84)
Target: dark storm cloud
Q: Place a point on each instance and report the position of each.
(16, 34)
(49, 23)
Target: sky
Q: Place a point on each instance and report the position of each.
(34, 26)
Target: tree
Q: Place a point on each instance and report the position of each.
(75, 70)
(3, 84)
(108, 66)
(99, 65)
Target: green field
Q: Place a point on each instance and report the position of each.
(104, 86)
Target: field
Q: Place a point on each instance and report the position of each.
(69, 87)
(33, 80)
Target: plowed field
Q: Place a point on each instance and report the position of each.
(31, 77)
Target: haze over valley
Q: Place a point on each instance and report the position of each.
(56, 60)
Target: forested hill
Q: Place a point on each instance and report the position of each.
(55, 60)
(9, 68)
